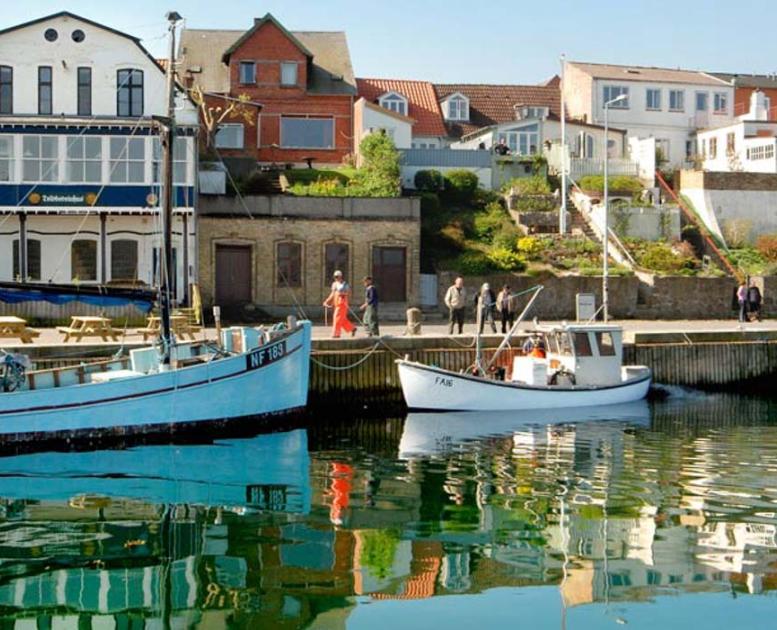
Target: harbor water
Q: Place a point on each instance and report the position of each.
(655, 514)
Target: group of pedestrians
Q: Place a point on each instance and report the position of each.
(748, 302)
(339, 299)
(488, 307)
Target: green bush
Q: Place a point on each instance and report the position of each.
(461, 185)
(490, 220)
(379, 174)
(618, 183)
(507, 237)
(320, 188)
(429, 180)
(257, 183)
(531, 247)
(539, 203)
(430, 202)
(473, 263)
(662, 258)
(453, 233)
(535, 185)
(310, 175)
(749, 260)
(506, 260)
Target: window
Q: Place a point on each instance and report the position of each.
(78, 36)
(44, 90)
(720, 102)
(584, 145)
(704, 148)
(394, 102)
(582, 344)
(247, 73)
(180, 152)
(701, 101)
(522, 141)
(605, 344)
(713, 148)
(676, 100)
(307, 133)
(230, 136)
(50, 35)
(128, 160)
(129, 93)
(124, 260)
(653, 99)
(6, 158)
(289, 265)
(689, 149)
(84, 159)
(764, 152)
(662, 146)
(6, 90)
(614, 91)
(731, 143)
(458, 108)
(335, 258)
(84, 91)
(288, 73)
(33, 260)
(39, 158)
(83, 260)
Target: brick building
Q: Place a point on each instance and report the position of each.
(745, 85)
(303, 81)
(285, 252)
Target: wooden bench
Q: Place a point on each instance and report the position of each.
(15, 327)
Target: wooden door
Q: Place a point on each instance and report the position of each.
(233, 274)
(389, 273)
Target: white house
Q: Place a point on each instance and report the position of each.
(748, 144)
(369, 118)
(661, 103)
(80, 158)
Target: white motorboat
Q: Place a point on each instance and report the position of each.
(251, 373)
(581, 367)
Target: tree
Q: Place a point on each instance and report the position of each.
(213, 117)
(378, 175)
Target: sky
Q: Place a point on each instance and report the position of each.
(471, 41)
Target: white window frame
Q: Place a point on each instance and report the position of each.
(7, 161)
(679, 95)
(289, 65)
(521, 137)
(240, 137)
(52, 173)
(720, 103)
(457, 107)
(71, 142)
(657, 94)
(394, 102)
(609, 92)
(124, 158)
(180, 165)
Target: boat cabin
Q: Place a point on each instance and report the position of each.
(582, 355)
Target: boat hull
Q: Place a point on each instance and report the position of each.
(435, 389)
(232, 387)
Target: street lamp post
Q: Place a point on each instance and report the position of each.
(606, 236)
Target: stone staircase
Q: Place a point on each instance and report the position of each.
(578, 223)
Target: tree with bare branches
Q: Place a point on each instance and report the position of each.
(213, 116)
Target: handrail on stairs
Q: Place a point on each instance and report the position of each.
(630, 262)
(692, 218)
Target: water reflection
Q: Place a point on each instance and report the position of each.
(341, 525)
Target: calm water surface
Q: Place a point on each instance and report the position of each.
(649, 516)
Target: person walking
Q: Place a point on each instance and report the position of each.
(742, 301)
(504, 305)
(485, 301)
(370, 308)
(339, 298)
(456, 301)
(754, 303)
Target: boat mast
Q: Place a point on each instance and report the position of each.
(168, 142)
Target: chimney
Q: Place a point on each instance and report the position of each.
(758, 110)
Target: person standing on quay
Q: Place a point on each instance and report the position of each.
(485, 303)
(339, 298)
(456, 301)
(742, 301)
(504, 304)
(370, 308)
(754, 303)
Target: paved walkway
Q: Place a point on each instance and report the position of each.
(50, 336)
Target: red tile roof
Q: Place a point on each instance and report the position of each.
(421, 100)
(494, 104)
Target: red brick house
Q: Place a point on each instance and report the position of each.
(303, 81)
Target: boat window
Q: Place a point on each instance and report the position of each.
(605, 343)
(564, 346)
(582, 345)
(552, 344)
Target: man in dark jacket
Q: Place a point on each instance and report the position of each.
(370, 308)
(754, 302)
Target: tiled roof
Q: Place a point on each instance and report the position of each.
(646, 73)
(763, 81)
(421, 102)
(494, 104)
(332, 72)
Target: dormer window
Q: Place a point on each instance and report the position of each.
(457, 107)
(394, 102)
(522, 112)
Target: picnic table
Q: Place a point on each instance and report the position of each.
(180, 324)
(90, 326)
(11, 327)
